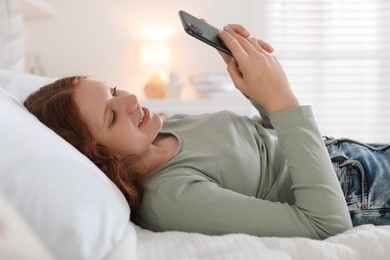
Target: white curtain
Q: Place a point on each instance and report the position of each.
(337, 56)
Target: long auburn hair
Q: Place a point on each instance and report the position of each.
(54, 105)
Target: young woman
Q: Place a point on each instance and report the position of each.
(272, 175)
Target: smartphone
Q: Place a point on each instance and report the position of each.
(202, 31)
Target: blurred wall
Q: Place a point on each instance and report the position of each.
(102, 38)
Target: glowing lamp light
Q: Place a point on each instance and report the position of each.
(155, 56)
(156, 33)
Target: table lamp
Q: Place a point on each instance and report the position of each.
(155, 57)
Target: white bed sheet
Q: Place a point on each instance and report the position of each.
(363, 242)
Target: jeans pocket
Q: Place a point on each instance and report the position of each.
(352, 180)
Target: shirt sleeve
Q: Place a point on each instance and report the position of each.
(266, 122)
(263, 114)
(193, 203)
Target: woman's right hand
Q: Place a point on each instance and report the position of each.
(244, 33)
(255, 71)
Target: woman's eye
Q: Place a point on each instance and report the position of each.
(114, 117)
(113, 92)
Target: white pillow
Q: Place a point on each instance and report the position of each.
(71, 205)
(21, 84)
(13, 230)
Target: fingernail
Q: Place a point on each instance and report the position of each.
(226, 27)
(246, 33)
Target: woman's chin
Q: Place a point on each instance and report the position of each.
(156, 120)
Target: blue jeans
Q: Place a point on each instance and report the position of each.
(363, 171)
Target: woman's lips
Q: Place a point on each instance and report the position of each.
(145, 116)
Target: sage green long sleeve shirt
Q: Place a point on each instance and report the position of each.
(264, 176)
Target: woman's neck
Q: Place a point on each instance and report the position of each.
(163, 149)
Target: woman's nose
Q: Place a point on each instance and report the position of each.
(130, 102)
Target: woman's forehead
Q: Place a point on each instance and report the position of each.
(91, 97)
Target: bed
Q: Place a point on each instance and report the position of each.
(55, 204)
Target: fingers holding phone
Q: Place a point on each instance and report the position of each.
(201, 30)
(241, 31)
(244, 33)
(265, 46)
(257, 73)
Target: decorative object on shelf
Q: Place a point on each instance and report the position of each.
(213, 84)
(174, 85)
(154, 87)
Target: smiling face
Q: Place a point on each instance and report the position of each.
(116, 119)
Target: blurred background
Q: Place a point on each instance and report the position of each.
(335, 52)
(108, 38)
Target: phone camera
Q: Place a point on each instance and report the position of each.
(195, 30)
